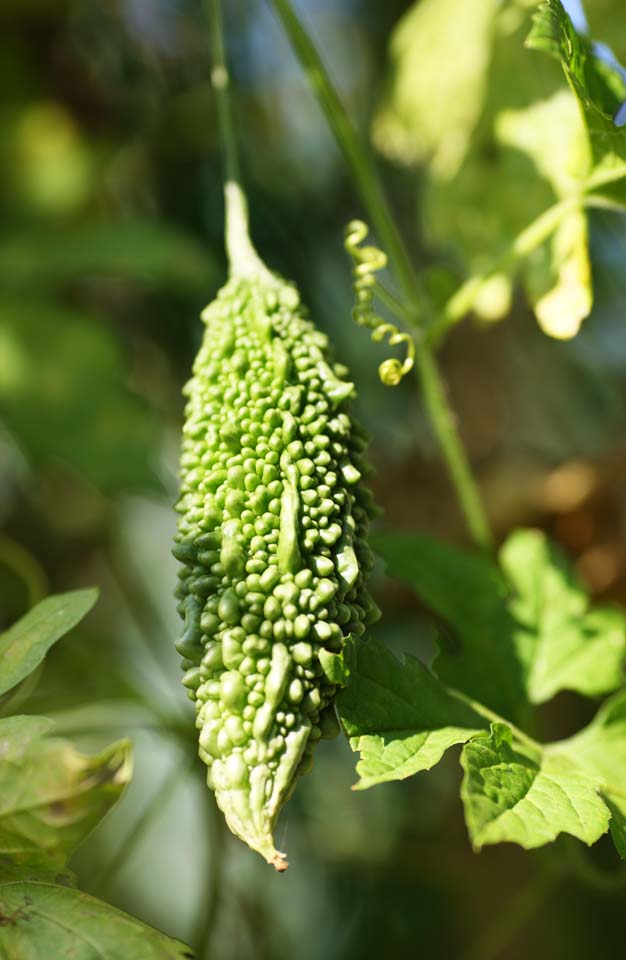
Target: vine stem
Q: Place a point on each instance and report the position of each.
(243, 258)
(494, 717)
(361, 164)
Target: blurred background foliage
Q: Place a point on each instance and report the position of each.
(110, 244)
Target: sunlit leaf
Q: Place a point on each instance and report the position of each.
(562, 642)
(440, 53)
(561, 311)
(550, 132)
(512, 793)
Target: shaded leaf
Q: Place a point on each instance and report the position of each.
(524, 632)
(398, 716)
(51, 796)
(470, 594)
(511, 793)
(43, 920)
(24, 645)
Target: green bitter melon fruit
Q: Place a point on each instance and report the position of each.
(272, 538)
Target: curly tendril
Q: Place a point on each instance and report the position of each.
(367, 261)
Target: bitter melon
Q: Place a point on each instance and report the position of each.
(272, 537)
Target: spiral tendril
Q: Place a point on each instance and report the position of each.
(367, 261)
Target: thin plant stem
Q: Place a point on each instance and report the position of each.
(531, 237)
(494, 717)
(364, 172)
(392, 303)
(443, 420)
(356, 153)
(243, 258)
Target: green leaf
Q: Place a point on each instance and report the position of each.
(51, 796)
(42, 920)
(440, 53)
(525, 130)
(511, 793)
(481, 225)
(65, 370)
(551, 133)
(558, 278)
(523, 632)
(598, 86)
(335, 666)
(24, 645)
(601, 748)
(399, 717)
(561, 643)
(470, 594)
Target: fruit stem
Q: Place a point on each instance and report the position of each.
(243, 258)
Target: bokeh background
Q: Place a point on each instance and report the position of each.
(110, 245)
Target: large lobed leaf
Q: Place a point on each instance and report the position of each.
(399, 717)
(524, 629)
(401, 720)
(516, 794)
(561, 642)
(526, 796)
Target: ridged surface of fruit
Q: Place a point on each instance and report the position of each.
(272, 538)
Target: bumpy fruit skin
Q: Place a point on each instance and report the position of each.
(272, 538)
